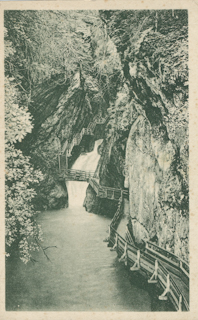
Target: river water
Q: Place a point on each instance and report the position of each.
(82, 273)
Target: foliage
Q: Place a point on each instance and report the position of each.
(18, 120)
(22, 232)
(47, 43)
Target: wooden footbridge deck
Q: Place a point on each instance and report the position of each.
(107, 192)
(101, 191)
(76, 175)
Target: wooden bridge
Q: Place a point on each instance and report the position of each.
(101, 191)
(160, 266)
(107, 192)
(76, 175)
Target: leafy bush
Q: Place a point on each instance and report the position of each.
(22, 231)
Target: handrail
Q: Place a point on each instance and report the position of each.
(73, 171)
(168, 256)
(101, 191)
(78, 175)
(107, 192)
(118, 213)
(138, 259)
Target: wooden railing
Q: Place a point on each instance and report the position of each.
(119, 212)
(101, 191)
(107, 192)
(142, 260)
(168, 257)
(68, 147)
(76, 175)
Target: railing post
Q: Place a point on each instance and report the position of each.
(121, 196)
(66, 160)
(109, 232)
(180, 264)
(163, 296)
(136, 265)
(116, 244)
(180, 303)
(154, 276)
(109, 236)
(59, 162)
(125, 255)
(106, 193)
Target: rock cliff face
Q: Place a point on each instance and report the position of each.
(152, 109)
(155, 189)
(60, 109)
(144, 159)
(109, 174)
(157, 203)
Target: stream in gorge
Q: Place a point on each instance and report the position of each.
(82, 274)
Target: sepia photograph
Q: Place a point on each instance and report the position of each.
(96, 140)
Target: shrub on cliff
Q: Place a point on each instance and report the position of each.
(22, 232)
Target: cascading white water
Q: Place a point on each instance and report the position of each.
(86, 162)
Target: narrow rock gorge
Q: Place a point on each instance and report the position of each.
(129, 68)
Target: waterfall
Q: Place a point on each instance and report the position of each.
(86, 162)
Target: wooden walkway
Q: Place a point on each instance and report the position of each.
(141, 260)
(160, 266)
(107, 192)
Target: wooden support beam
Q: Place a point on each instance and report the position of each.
(109, 229)
(66, 161)
(106, 194)
(109, 236)
(163, 296)
(154, 277)
(125, 255)
(136, 265)
(116, 244)
(180, 303)
(59, 162)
